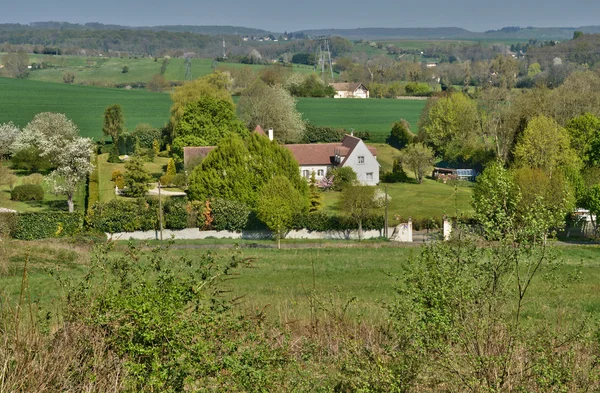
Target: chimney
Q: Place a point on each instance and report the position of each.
(270, 134)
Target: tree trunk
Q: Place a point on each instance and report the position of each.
(70, 203)
(279, 242)
(359, 230)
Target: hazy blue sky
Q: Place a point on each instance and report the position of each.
(476, 15)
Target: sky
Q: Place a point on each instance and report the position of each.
(474, 15)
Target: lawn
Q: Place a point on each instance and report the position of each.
(285, 282)
(418, 201)
(51, 201)
(22, 99)
(106, 187)
(373, 115)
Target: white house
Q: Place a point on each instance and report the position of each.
(319, 157)
(351, 152)
(350, 90)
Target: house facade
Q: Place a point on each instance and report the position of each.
(318, 158)
(350, 90)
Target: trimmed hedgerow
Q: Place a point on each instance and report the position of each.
(320, 221)
(229, 215)
(176, 213)
(42, 225)
(124, 216)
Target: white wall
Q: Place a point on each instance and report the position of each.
(195, 233)
(370, 164)
(315, 168)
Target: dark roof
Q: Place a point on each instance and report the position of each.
(314, 153)
(345, 86)
(190, 153)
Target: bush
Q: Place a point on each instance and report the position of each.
(229, 215)
(42, 225)
(124, 216)
(146, 135)
(342, 177)
(179, 181)
(27, 192)
(176, 213)
(35, 178)
(418, 89)
(400, 135)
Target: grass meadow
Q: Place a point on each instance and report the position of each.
(286, 284)
(22, 99)
(373, 115)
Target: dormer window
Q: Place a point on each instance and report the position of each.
(361, 159)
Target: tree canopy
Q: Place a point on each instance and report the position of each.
(271, 107)
(213, 85)
(209, 119)
(238, 169)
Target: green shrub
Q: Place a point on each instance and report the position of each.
(145, 135)
(229, 215)
(42, 225)
(124, 216)
(27, 192)
(176, 213)
(342, 177)
(321, 221)
(179, 180)
(418, 89)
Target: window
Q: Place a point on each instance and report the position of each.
(369, 176)
(361, 159)
(320, 172)
(306, 173)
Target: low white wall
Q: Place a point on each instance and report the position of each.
(195, 233)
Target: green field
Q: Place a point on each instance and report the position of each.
(373, 115)
(22, 99)
(283, 282)
(100, 70)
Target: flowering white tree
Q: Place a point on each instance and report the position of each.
(72, 166)
(8, 134)
(57, 138)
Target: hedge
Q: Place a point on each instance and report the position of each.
(42, 225)
(229, 215)
(27, 192)
(320, 221)
(124, 216)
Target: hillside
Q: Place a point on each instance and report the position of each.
(583, 50)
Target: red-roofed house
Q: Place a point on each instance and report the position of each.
(320, 157)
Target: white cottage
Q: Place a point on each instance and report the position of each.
(320, 157)
(350, 90)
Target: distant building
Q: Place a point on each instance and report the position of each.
(350, 90)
